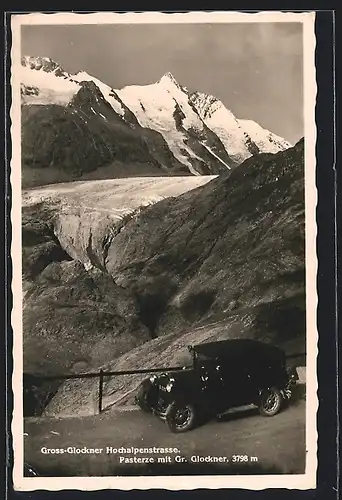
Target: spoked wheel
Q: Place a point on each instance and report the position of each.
(270, 402)
(180, 417)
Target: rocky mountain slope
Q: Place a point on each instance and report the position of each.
(75, 125)
(65, 236)
(223, 260)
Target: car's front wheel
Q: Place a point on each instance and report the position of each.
(143, 397)
(270, 402)
(181, 417)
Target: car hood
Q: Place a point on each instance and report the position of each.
(183, 377)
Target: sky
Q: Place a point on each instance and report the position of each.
(256, 69)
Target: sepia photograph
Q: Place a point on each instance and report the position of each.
(164, 267)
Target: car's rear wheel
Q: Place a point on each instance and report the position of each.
(270, 402)
(181, 417)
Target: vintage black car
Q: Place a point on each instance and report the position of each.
(223, 375)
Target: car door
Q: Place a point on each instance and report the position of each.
(212, 388)
(237, 383)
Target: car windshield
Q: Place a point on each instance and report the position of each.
(206, 361)
(203, 357)
(185, 359)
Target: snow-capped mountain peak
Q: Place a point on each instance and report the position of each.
(224, 124)
(169, 76)
(164, 106)
(44, 82)
(241, 138)
(265, 140)
(199, 130)
(168, 79)
(206, 104)
(40, 63)
(106, 90)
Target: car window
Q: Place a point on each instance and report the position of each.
(205, 359)
(185, 359)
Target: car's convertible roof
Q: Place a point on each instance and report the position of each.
(236, 347)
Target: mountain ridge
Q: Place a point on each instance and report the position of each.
(195, 132)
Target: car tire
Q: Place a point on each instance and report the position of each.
(181, 417)
(143, 397)
(270, 402)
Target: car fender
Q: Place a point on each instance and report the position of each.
(181, 398)
(147, 387)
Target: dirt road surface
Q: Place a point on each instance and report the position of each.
(243, 442)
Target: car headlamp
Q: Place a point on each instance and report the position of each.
(153, 378)
(169, 386)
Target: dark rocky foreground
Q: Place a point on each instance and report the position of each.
(224, 260)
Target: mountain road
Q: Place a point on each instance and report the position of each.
(129, 442)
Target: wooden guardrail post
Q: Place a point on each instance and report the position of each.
(100, 390)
